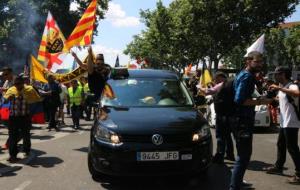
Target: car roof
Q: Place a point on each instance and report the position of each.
(152, 73)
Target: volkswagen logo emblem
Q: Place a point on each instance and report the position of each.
(157, 139)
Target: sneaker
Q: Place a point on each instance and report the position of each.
(246, 184)
(295, 180)
(13, 159)
(274, 170)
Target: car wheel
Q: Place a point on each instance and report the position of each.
(95, 174)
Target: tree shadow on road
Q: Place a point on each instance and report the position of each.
(46, 162)
(216, 178)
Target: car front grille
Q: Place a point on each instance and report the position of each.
(170, 138)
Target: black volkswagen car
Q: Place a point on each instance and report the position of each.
(149, 127)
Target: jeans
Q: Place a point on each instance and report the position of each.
(19, 126)
(223, 136)
(76, 113)
(243, 134)
(288, 139)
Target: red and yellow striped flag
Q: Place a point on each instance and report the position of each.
(108, 92)
(52, 43)
(82, 34)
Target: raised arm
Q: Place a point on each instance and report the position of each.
(79, 61)
(90, 61)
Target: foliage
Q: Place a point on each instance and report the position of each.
(22, 23)
(189, 31)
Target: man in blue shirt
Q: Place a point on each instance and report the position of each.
(244, 116)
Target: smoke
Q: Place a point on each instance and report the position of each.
(23, 39)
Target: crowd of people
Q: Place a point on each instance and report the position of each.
(21, 94)
(235, 115)
(233, 100)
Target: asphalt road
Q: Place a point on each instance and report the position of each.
(61, 164)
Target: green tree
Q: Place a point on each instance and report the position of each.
(276, 51)
(209, 30)
(22, 23)
(292, 43)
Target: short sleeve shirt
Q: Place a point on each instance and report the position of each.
(244, 86)
(288, 116)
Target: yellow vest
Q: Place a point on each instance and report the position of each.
(86, 88)
(75, 97)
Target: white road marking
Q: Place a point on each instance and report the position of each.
(23, 185)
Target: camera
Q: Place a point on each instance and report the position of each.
(271, 93)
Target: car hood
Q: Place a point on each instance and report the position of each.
(149, 120)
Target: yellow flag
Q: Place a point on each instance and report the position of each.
(37, 71)
(205, 78)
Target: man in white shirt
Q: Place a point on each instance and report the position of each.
(288, 97)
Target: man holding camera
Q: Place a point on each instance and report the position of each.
(289, 123)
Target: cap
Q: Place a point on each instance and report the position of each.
(281, 69)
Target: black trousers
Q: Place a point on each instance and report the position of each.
(19, 126)
(223, 136)
(88, 106)
(52, 112)
(76, 113)
(288, 139)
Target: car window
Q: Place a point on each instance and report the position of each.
(150, 92)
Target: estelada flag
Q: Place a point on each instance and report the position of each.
(82, 34)
(37, 71)
(52, 44)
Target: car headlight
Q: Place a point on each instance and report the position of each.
(202, 133)
(106, 135)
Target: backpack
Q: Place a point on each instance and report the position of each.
(291, 101)
(224, 99)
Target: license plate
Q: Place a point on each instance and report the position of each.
(157, 156)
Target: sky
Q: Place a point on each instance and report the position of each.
(122, 22)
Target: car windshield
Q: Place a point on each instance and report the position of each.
(144, 92)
